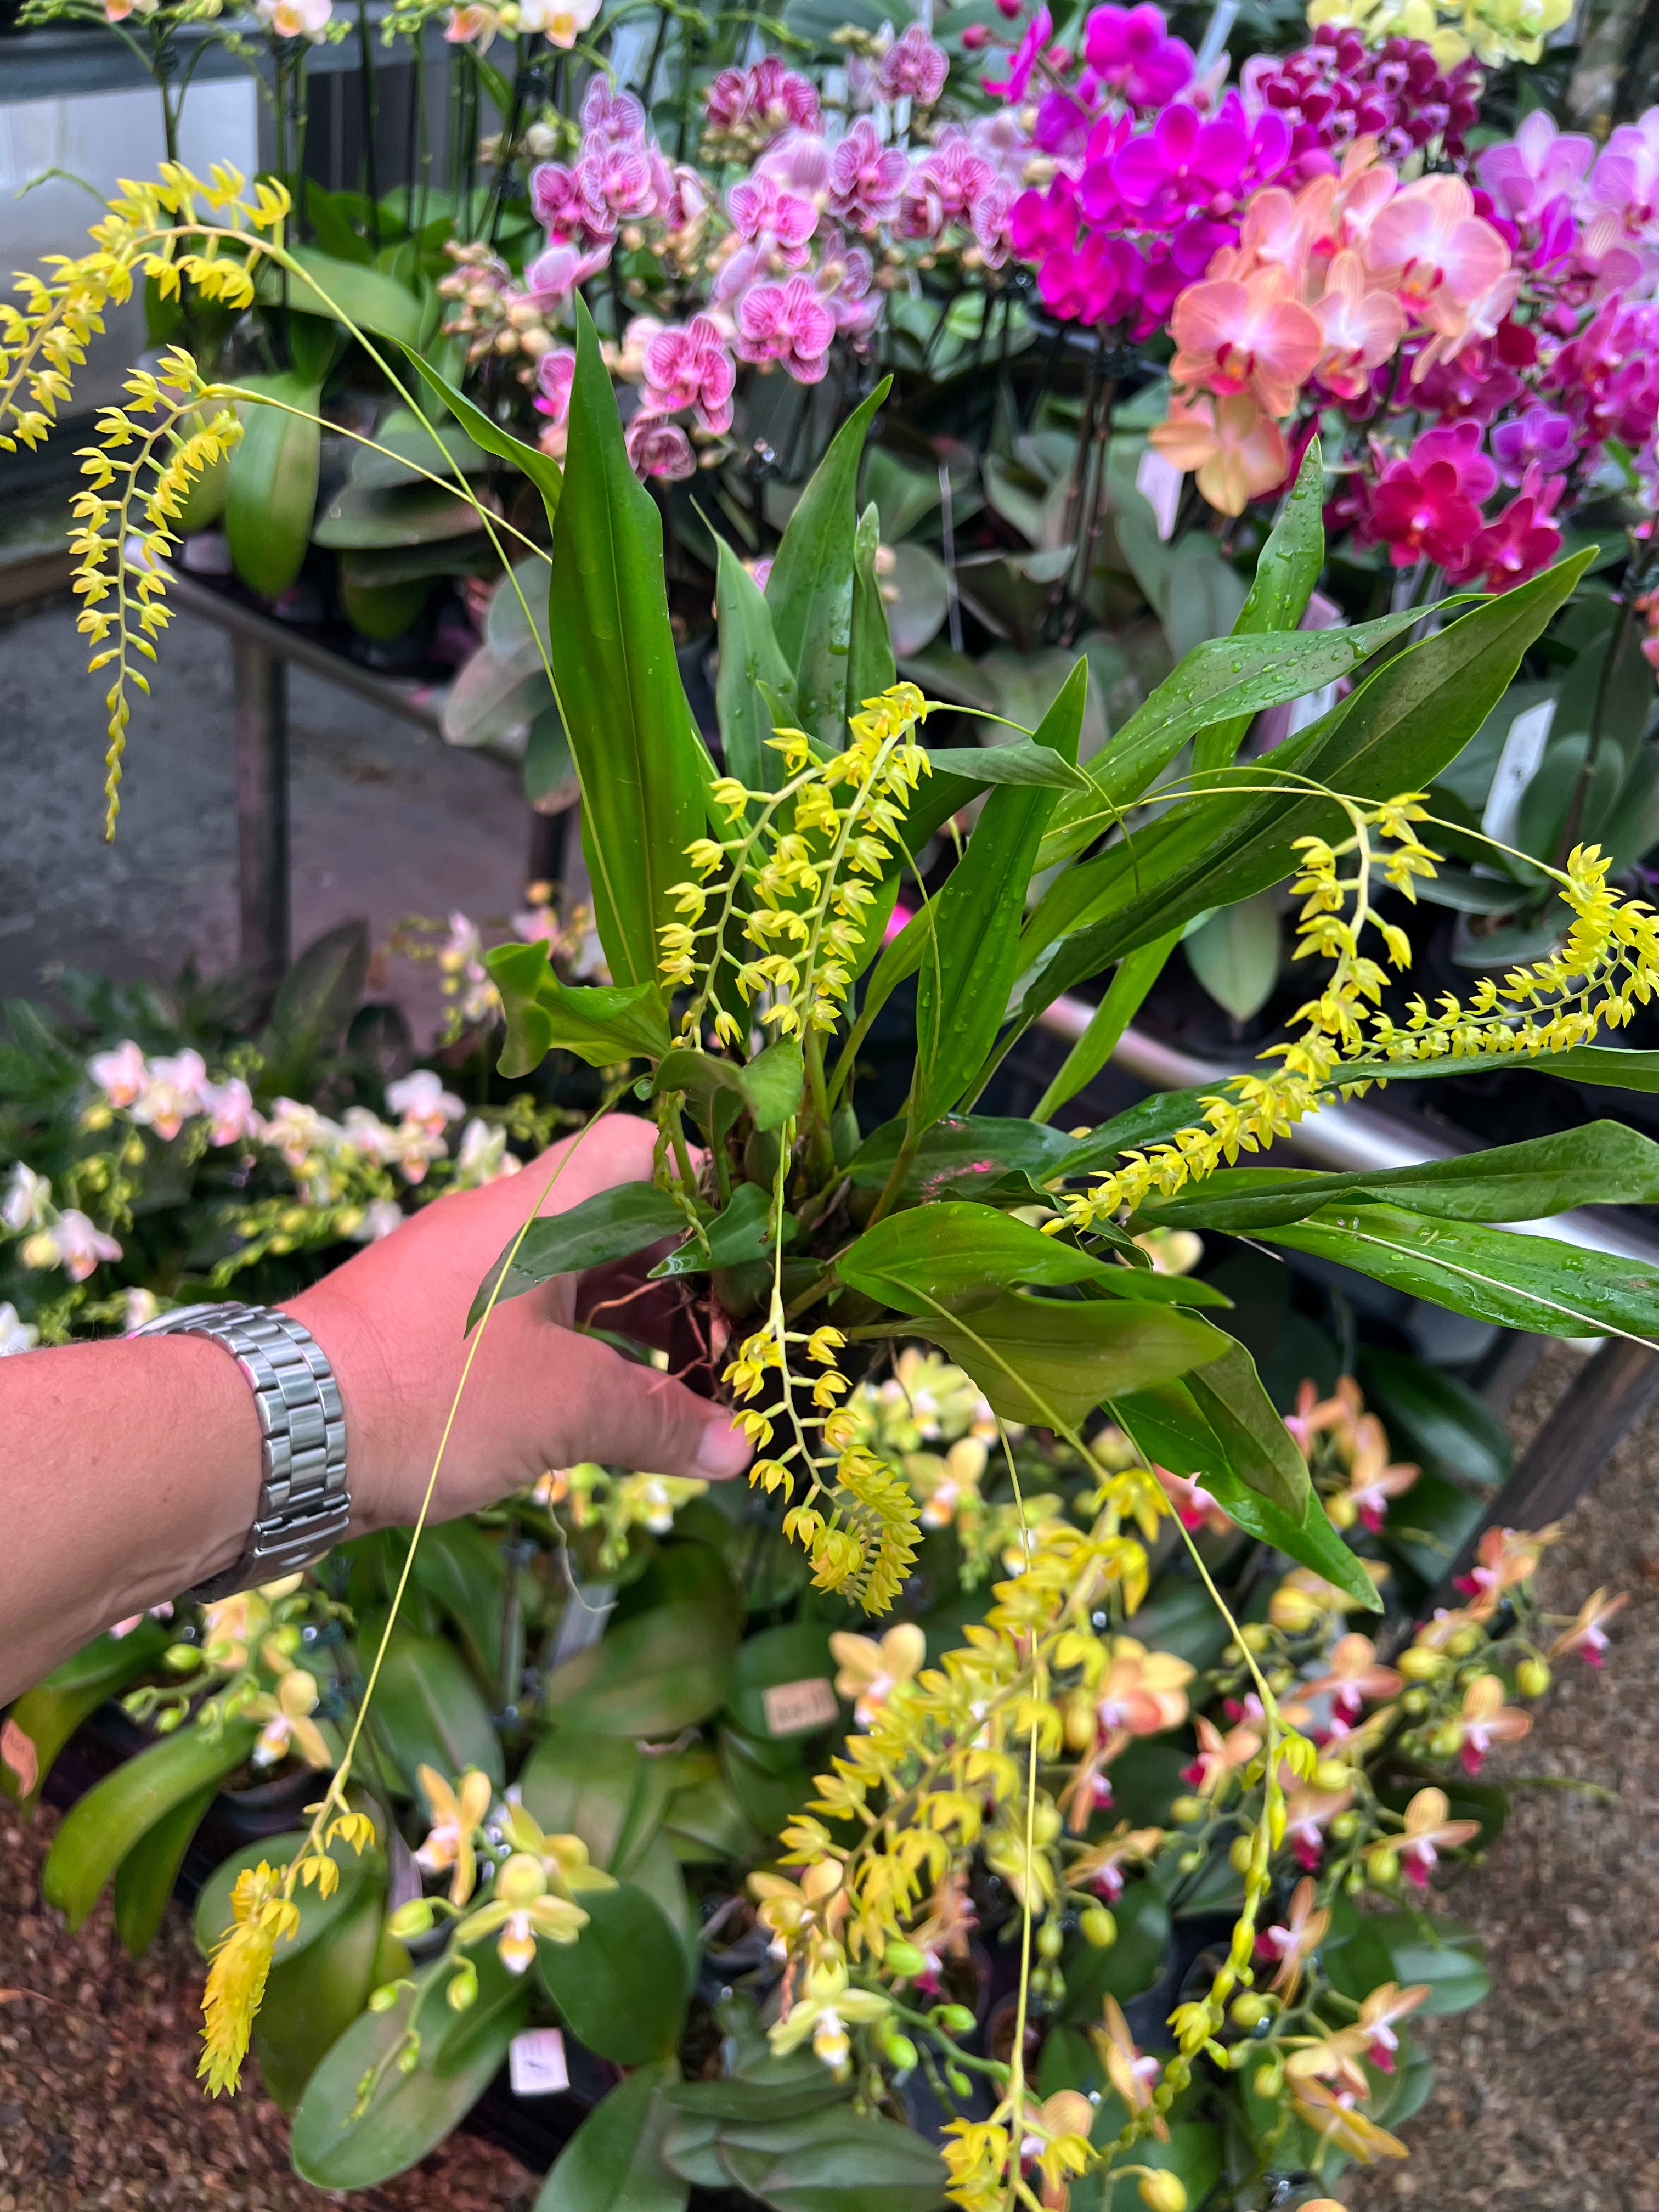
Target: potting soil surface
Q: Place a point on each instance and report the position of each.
(1545, 2096)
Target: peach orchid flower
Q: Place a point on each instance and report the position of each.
(870, 1672)
(1341, 2124)
(1486, 1720)
(1219, 1756)
(1361, 326)
(1586, 1636)
(1055, 2140)
(1378, 2014)
(1307, 1815)
(457, 1813)
(1295, 1940)
(1430, 246)
(1238, 451)
(1353, 1677)
(1373, 1480)
(1133, 2076)
(1429, 1832)
(1253, 336)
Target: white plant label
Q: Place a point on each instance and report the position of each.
(1517, 764)
(797, 1708)
(536, 2063)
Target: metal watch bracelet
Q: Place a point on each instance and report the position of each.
(304, 1505)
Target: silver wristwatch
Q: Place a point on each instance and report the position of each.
(304, 1505)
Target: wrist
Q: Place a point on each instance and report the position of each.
(350, 1344)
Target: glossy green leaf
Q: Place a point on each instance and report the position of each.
(350, 292)
(960, 1154)
(761, 2089)
(621, 1986)
(768, 1086)
(809, 591)
(1619, 1067)
(1037, 1360)
(1260, 1449)
(1235, 955)
(144, 1878)
(870, 660)
(951, 1251)
(705, 1823)
(613, 2163)
(833, 2160)
(417, 515)
(543, 471)
(272, 491)
(610, 1225)
(740, 1234)
(1409, 1947)
(1165, 1423)
(1286, 570)
(49, 1714)
(579, 1783)
(1602, 1164)
(959, 1005)
(1022, 760)
(333, 2146)
(651, 1675)
(410, 452)
(749, 656)
(1435, 1418)
(1222, 679)
(458, 1565)
(1394, 734)
(600, 1022)
(382, 611)
(430, 1712)
(631, 731)
(1490, 1275)
(101, 1828)
(1122, 1001)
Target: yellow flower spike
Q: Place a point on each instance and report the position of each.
(236, 1975)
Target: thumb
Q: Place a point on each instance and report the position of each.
(614, 1410)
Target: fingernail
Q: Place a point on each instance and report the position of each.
(723, 1452)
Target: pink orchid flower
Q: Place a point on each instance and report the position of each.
(1254, 336)
(1539, 162)
(845, 275)
(866, 178)
(1238, 451)
(787, 323)
(1130, 50)
(555, 372)
(617, 117)
(767, 98)
(687, 365)
(551, 279)
(656, 448)
(914, 68)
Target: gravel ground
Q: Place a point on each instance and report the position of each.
(1546, 2095)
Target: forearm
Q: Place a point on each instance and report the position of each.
(129, 1471)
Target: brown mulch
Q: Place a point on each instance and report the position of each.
(1547, 2096)
(99, 2102)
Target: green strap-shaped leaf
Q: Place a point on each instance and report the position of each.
(651, 1675)
(1490, 1275)
(272, 491)
(102, 1827)
(810, 590)
(959, 1006)
(144, 1878)
(600, 1022)
(1260, 1451)
(948, 1251)
(1167, 1427)
(630, 729)
(543, 471)
(750, 657)
(1394, 733)
(870, 664)
(609, 1225)
(960, 1155)
(1023, 761)
(614, 2163)
(371, 297)
(1286, 569)
(1604, 1163)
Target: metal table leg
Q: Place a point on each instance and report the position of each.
(260, 683)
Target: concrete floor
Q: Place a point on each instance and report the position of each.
(388, 819)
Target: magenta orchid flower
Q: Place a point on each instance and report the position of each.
(764, 211)
(767, 100)
(657, 449)
(688, 366)
(1130, 50)
(1537, 164)
(1010, 80)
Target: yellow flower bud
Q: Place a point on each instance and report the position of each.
(1098, 1927)
(1532, 1678)
(1163, 2192)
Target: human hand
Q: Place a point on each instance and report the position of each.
(539, 1395)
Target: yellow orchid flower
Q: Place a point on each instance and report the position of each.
(288, 1722)
(1130, 2071)
(869, 1671)
(824, 2010)
(456, 1815)
(1055, 2140)
(523, 1908)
